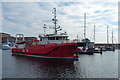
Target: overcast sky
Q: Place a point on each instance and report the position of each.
(28, 18)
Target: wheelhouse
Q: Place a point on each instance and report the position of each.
(52, 38)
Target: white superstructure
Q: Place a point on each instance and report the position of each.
(54, 38)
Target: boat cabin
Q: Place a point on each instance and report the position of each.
(54, 38)
(86, 43)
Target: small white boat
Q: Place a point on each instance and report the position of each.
(5, 47)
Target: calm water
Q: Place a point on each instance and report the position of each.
(0, 64)
(88, 66)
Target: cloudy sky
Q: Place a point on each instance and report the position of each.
(28, 18)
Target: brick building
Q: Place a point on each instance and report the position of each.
(4, 37)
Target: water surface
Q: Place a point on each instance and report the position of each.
(88, 66)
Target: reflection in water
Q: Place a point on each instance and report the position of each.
(88, 66)
(0, 64)
(36, 67)
(51, 68)
(119, 64)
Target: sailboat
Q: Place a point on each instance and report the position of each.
(109, 47)
(86, 46)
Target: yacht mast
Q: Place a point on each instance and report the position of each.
(94, 33)
(107, 36)
(84, 25)
(112, 37)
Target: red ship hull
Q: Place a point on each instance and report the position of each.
(51, 51)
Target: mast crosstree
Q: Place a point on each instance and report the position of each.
(55, 21)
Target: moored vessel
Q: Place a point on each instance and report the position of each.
(5, 47)
(52, 46)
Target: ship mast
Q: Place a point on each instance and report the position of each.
(112, 37)
(84, 25)
(94, 33)
(44, 28)
(107, 36)
(55, 21)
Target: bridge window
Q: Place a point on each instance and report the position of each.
(64, 38)
(51, 38)
(40, 39)
(57, 38)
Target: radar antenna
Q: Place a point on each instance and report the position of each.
(55, 22)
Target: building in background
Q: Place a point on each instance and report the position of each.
(6, 38)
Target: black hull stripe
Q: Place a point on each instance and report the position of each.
(58, 58)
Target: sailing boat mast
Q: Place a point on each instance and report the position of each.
(84, 25)
(107, 36)
(112, 37)
(94, 33)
